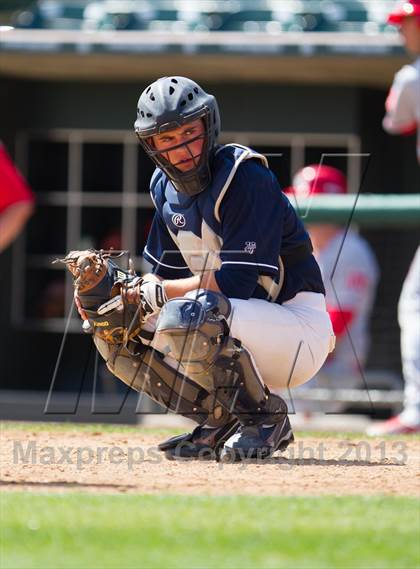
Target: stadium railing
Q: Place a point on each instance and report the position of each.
(372, 210)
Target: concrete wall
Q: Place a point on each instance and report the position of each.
(113, 105)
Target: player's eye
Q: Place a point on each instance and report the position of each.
(165, 140)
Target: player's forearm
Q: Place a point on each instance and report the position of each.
(179, 287)
(12, 221)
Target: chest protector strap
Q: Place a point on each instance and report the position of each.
(247, 154)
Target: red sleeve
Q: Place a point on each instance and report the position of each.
(340, 319)
(13, 188)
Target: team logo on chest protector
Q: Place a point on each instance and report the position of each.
(178, 220)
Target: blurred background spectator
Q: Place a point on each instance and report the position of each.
(16, 200)
(350, 272)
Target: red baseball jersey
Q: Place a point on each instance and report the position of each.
(13, 188)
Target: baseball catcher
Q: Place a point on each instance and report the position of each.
(235, 306)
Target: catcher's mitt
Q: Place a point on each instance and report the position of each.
(108, 295)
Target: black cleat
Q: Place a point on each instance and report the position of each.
(257, 442)
(204, 443)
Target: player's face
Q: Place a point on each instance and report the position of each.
(410, 31)
(186, 143)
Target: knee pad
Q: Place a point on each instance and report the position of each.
(193, 328)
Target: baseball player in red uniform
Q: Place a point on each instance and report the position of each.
(350, 273)
(403, 102)
(403, 117)
(16, 200)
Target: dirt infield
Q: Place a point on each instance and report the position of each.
(96, 461)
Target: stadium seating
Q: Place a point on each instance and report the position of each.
(51, 14)
(207, 15)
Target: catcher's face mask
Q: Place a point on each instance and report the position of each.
(175, 104)
(180, 148)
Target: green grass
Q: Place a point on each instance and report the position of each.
(68, 427)
(84, 428)
(96, 531)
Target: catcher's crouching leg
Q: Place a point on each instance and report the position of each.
(196, 333)
(116, 303)
(148, 372)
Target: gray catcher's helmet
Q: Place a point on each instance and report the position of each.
(169, 103)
